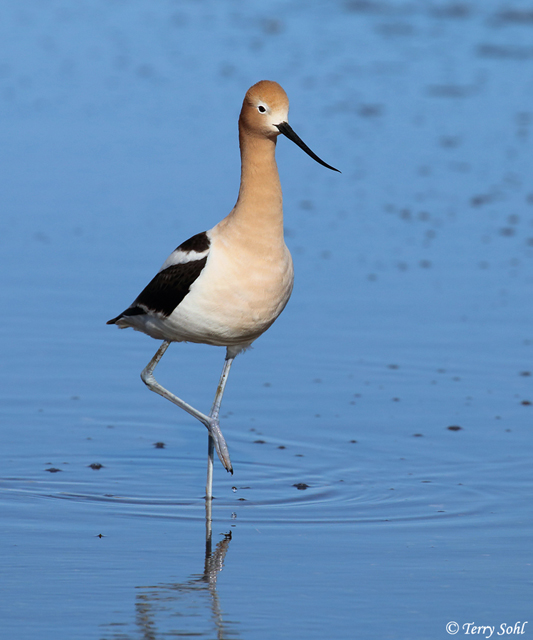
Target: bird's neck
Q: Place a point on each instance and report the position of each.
(260, 203)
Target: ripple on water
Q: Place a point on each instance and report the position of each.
(280, 494)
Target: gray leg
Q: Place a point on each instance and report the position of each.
(215, 410)
(210, 422)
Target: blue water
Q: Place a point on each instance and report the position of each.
(354, 511)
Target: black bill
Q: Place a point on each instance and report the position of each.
(287, 131)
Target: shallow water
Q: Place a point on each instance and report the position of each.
(354, 511)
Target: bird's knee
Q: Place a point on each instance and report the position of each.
(148, 378)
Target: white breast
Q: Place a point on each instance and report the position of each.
(235, 299)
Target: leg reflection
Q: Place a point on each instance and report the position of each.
(190, 608)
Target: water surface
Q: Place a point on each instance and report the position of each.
(380, 431)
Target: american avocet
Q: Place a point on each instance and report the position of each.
(226, 286)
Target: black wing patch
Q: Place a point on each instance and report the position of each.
(199, 243)
(168, 288)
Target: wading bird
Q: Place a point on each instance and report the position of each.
(226, 286)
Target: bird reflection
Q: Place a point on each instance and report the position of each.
(191, 608)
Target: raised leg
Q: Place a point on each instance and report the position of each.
(215, 410)
(210, 422)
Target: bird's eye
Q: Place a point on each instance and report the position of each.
(261, 109)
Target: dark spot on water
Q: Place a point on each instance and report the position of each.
(370, 110)
(301, 486)
(426, 481)
(526, 403)
(393, 366)
(353, 441)
(365, 6)
(159, 445)
(288, 232)
(145, 71)
(53, 470)
(451, 90)
(395, 29)
(41, 237)
(95, 466)
(449, 142)
(267, 384)
(479, 200)
(99, 536)
(282, 446)
(396, 399)
(454, 427)
(272, 26)
(509, 52)
(418, 435)
(515, 15)
(507, 232)
(259, 441)
(525, 373)
(451, 10)
(242, 499)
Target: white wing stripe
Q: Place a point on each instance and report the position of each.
(181, 257)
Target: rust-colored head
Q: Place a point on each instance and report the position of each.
(265, 113)
(265, 105)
